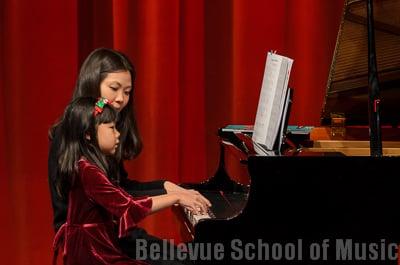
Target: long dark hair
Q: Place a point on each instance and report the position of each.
(78, 138)
(93, 71)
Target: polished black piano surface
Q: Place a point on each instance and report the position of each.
(309, 197)
(305, 207)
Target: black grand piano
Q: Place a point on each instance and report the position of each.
(325, 200)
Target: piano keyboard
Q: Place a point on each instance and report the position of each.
(195, 218)
(224, 205)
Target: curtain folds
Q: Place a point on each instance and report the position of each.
(199, 66)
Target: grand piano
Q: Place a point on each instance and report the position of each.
(325, 200)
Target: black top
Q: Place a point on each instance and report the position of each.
(60, 205)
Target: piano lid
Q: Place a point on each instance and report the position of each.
(347, 88)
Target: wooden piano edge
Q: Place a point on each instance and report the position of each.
(354, 143)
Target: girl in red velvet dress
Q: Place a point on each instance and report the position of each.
(99, 212)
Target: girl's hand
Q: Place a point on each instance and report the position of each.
(189, 199)
(193, 201)
(173, 188)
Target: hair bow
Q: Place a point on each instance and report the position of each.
(99, 106)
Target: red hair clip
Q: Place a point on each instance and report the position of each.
(98, 108)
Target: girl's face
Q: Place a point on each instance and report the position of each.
(108, 138)
(116, 88)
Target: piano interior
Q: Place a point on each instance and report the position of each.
(327, 186)
(347, 87)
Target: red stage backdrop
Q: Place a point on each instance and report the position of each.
(200, 66)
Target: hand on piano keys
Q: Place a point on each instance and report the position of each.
(195, 218)
(191, 200)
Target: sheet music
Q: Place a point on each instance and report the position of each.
(272, 99)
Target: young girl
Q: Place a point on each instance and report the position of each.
(88, 136)
(109, 74)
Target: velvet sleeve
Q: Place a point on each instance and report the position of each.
(99, 189)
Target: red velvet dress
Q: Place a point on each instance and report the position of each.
(89, 236)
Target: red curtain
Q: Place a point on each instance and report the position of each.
(200, 66)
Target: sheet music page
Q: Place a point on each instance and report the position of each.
(272, 99)
(284, 101)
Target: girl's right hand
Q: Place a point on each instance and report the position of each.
(193, 201)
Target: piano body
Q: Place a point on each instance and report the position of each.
(328, 189)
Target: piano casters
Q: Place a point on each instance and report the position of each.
(373, 88)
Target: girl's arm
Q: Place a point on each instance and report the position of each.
(120, 204)
(189, 199)
(163, 201)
